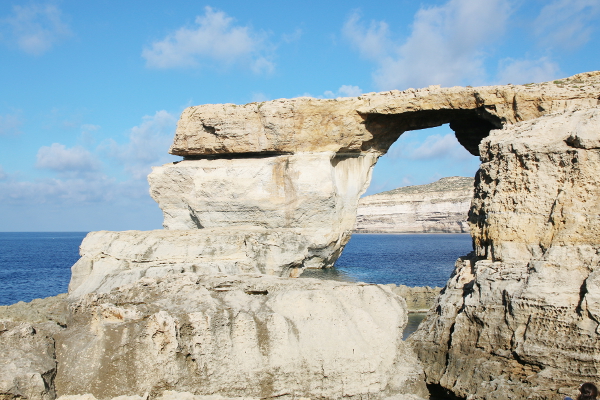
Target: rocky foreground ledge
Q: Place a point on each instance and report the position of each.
(209, 306)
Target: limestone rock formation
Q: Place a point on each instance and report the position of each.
(418, 299)
(372, 122)
(303, 163)
(238, 335)
(27, 347)
(273, 188)
(112, 259)
(315, 194)
(441, 206)
(520, 318)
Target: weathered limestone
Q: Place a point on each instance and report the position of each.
(271, 189)
(27, 362)
(520, 318)
(372, 122)
(315, 194)
(441, 206)
(112, 259)
(418, 299)
(240, 336)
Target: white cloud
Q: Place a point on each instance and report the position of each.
(526, 71)
(215, 38)
(292, 37)
(36, 28)
(373, 42)
(59, 158)
(10, 124)
(259, 97)
(435, 146)
(567, 23)
(148, 145)
(343, 91)
(79, 175)
(446, 45)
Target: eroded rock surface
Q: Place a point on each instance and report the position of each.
(239, 336)
(272, 188)
(438, 207)
(372, 122)
(520, 317)
(27, 351)
(112, 259)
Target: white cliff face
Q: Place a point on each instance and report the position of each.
(440, 206)
(239, 336)
(315, 194)
(521, 317)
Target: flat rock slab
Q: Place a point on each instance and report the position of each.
(238, 335)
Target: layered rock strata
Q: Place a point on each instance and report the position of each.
(438, 207)
(272, 188)
(303, 163)
(520, 317)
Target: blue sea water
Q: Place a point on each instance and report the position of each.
(402, 259)
(38, 264)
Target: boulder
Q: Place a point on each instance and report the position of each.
(239, 336)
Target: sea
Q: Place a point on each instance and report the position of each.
(38, 264)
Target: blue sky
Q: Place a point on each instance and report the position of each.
(90, 92)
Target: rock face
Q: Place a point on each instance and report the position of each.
(371, 122)
(303, 163)
(269, 189)
(112, 259)
(520, 317)
(441, 206)
(238, 335)
(314, 194)
(27, 348)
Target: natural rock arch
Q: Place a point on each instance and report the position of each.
(272, 188)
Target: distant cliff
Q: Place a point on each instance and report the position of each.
(440, 206)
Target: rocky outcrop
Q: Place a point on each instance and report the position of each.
(419, 298)
(372, 122)
(520, 317)
(272, 188)
(112, 259)
(238, 335)
(438, 207)
(303, 163)
(314, 194)
(27, 348)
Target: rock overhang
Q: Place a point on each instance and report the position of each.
(373, 121)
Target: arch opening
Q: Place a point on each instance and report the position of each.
(417, 156)
(470, 126)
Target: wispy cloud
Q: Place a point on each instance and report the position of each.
(292, 37)
(147, 146)
(446, 45)
(435, 146)
(344, 91)
(526, 71)
(10, 124)
(214, 39)
(79, 172)
(35, 28)
(567, 23)
(59, 158)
